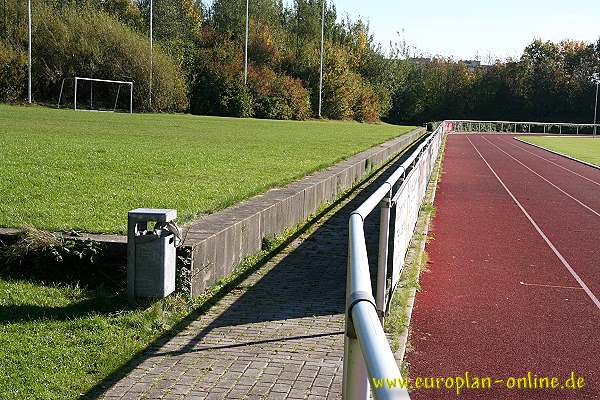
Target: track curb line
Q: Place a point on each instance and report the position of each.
(558, 154)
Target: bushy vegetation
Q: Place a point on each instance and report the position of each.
(84, 41)
(550, 82)
(202, 56)
(199, 64)
(91, 43)
(13, 74)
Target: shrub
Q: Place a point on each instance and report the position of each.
(85, 42)
(13, 74)
(220, 93)
(262, 48)
(297, 96)
(278, 96)
(217, 85)
(40, 255)
(346, 94)
(261, 81)
(366, 106)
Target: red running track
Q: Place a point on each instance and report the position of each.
(514, 272)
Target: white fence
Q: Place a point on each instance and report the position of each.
(561, 128)
(367, 354)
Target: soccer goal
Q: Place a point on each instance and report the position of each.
(91, 94)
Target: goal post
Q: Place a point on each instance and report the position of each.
(76, 81)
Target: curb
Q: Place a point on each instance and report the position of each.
(559, 154)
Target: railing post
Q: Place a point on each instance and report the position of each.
(382, 262)
(356, 378)
(355, 384)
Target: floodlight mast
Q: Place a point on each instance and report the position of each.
(29, 53)
(322, 50)
(150, 84)
(596, 80)
(246, 42)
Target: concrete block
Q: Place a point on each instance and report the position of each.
(310, 201)
(341, 179)
(224, 251)
(330, 189)
(297, 209)
(318, 189)
(251, 239)
(237, 254)
(283, 212)
(203, 268)
(268, 221)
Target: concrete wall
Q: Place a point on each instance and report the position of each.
(222, 240)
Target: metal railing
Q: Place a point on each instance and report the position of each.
(474, 126)
(367, 353)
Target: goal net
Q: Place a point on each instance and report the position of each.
(91, 94)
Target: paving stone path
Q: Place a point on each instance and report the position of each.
(278, 335)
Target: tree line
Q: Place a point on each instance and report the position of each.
(199, 59)
(550, 82)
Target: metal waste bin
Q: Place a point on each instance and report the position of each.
(151, 253)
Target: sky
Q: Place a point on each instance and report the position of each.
(466, 29)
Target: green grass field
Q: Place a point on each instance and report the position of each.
(58, 341)
(583, 148)
(64, 170)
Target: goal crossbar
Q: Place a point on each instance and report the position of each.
(79, 78)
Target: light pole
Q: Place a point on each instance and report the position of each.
(322, 51)
(150, 85)
(29, 52)
(246, 43)
(596, 80)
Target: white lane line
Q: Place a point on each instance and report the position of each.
(552, 184)
(541, 233)
(550, 286)
(552, 162)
